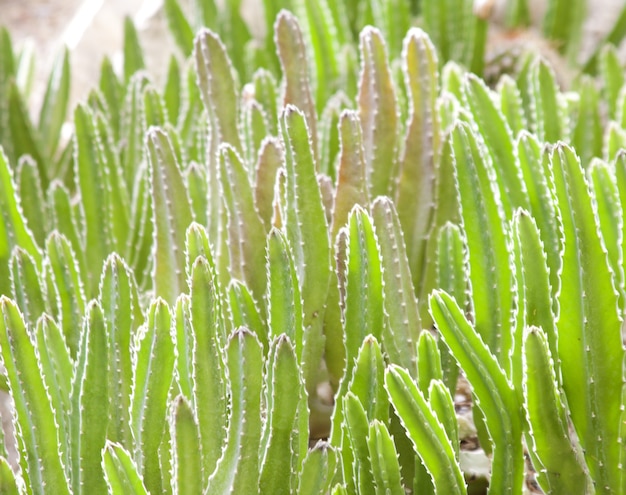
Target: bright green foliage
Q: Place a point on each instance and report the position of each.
(583, 335)
(553, 448)
(34, 415)
(495, 396)
(265, 276)
(425, 431)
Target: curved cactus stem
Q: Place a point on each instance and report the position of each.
(494, 394)
(426, 432)
(121, 472)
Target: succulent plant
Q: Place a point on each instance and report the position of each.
(274, 287)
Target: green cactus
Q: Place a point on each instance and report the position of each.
(267, 276)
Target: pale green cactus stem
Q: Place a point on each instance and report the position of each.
(282, 400)
(8, 481)
(458, 33)
(171, 216)
(244, 312)
(154, 361)
(91, 170)
(132, 126)
(451, 277)
(32, 198)
(428, 362)
(207, 368)
(356, 425)
(415, 196)
(68, 288)
(142, 230)
(322, 35)
(179, 26)
(614, 140)
(351, 188)
(563, 22)
(15, 231)
(237, 470)
(307, 232)
(27, 290)
(173, 94)
(443, 405)
(183, 337)
(64, 218)
(364, 401)
(293, 60)
(511, 104)
(586, 135)
(535, 296)
(255, 128)
(378, 113)
(266, 95)
(284, 302)
(364, 308)
(269, 161)
(24, 140)
(57, 371)
(197, 188)
(119, 299)
(219, 91)
(245, 228)
(94, 404)
(402, 319)
(187, 475)
(620, 179)
(447, 210)
(612, 76)
(329, 132)
(544, 107)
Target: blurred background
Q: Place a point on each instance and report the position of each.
(93, 28)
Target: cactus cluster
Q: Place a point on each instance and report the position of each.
(273, 287)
